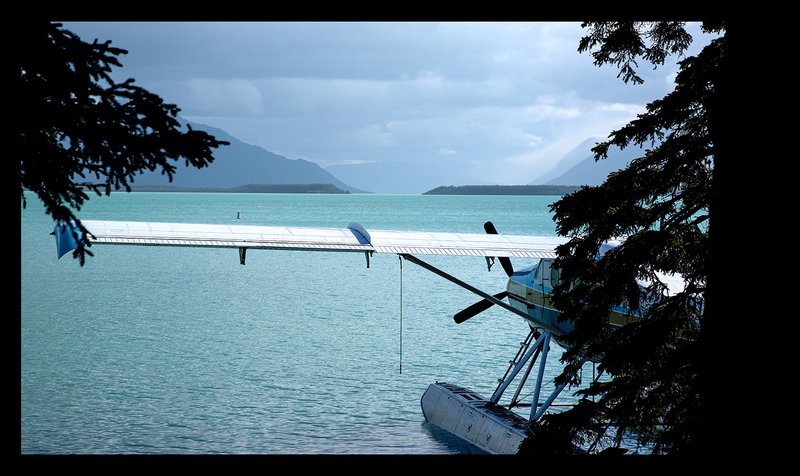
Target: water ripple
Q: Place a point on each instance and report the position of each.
(159, 350)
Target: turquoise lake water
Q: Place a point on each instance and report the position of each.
(183, 350)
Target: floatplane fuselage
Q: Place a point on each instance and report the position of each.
(530, 290)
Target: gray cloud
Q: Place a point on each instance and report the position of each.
(499, 101)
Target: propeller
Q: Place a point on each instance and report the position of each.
(477, 308)
(504, 261)
(485, 304)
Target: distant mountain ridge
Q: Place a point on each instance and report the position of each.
(569, 160)
(587, 171)
(239, 164)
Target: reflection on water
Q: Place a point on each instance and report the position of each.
(450, 442)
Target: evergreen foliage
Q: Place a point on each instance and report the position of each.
(76, 129)
(661, 205)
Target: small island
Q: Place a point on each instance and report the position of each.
(504, 190)
(250, 188)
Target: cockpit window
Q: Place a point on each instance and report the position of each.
(543, 272)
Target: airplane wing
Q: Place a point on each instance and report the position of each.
(353, 238)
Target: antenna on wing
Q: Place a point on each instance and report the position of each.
(401, 314)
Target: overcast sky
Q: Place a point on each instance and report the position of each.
(496, 102)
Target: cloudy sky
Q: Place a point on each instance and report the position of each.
(464, 102)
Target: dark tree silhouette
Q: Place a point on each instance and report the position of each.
(663, 202)
(76, 129)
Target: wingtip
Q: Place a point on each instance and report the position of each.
(65, 241)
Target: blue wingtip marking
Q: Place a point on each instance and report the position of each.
(361, 234)
(65, 242)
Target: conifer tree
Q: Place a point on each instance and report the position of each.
(75, 129)
(663, 204)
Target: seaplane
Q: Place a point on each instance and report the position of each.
(486, 423)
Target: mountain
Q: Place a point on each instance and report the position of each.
(569, 160)
(589, 172)
(239, 164)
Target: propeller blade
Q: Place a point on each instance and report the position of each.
(504, 261)
(477, 308)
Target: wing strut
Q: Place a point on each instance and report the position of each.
(468, 287)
